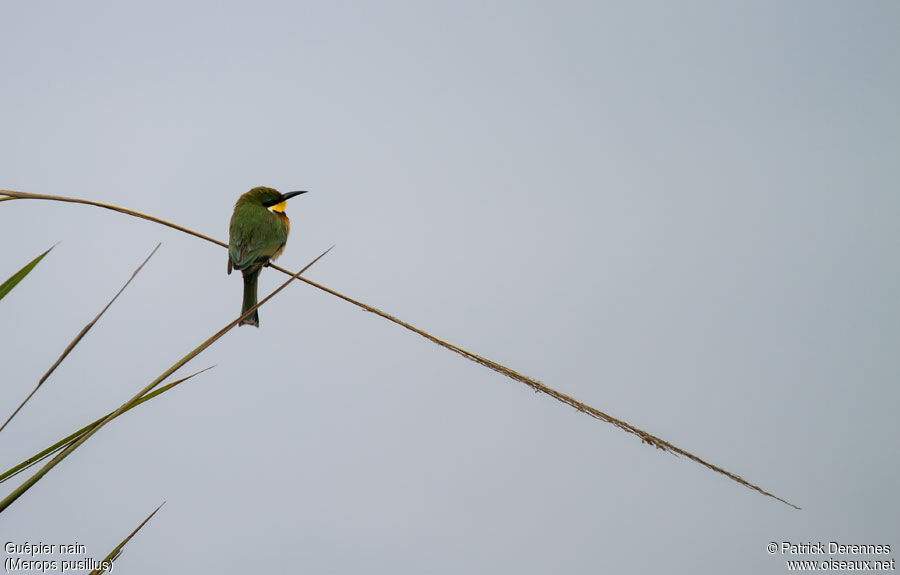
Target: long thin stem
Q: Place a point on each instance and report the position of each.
(77, 339)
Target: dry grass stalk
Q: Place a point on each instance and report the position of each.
(530, 382)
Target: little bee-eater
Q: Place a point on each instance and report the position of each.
(257, 234)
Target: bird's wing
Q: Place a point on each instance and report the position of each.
(255, 239)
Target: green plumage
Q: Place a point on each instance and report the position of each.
(256, 236)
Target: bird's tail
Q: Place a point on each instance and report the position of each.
(250, 281)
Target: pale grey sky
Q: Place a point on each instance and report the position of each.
(684, 214)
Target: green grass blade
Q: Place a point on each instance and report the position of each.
(66, 441)
(67, 450)
(7, 286)
(114, 554)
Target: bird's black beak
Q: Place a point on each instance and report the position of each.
(289, 195)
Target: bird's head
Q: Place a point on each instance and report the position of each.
(269, 198)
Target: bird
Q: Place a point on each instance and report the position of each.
(258, 232)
